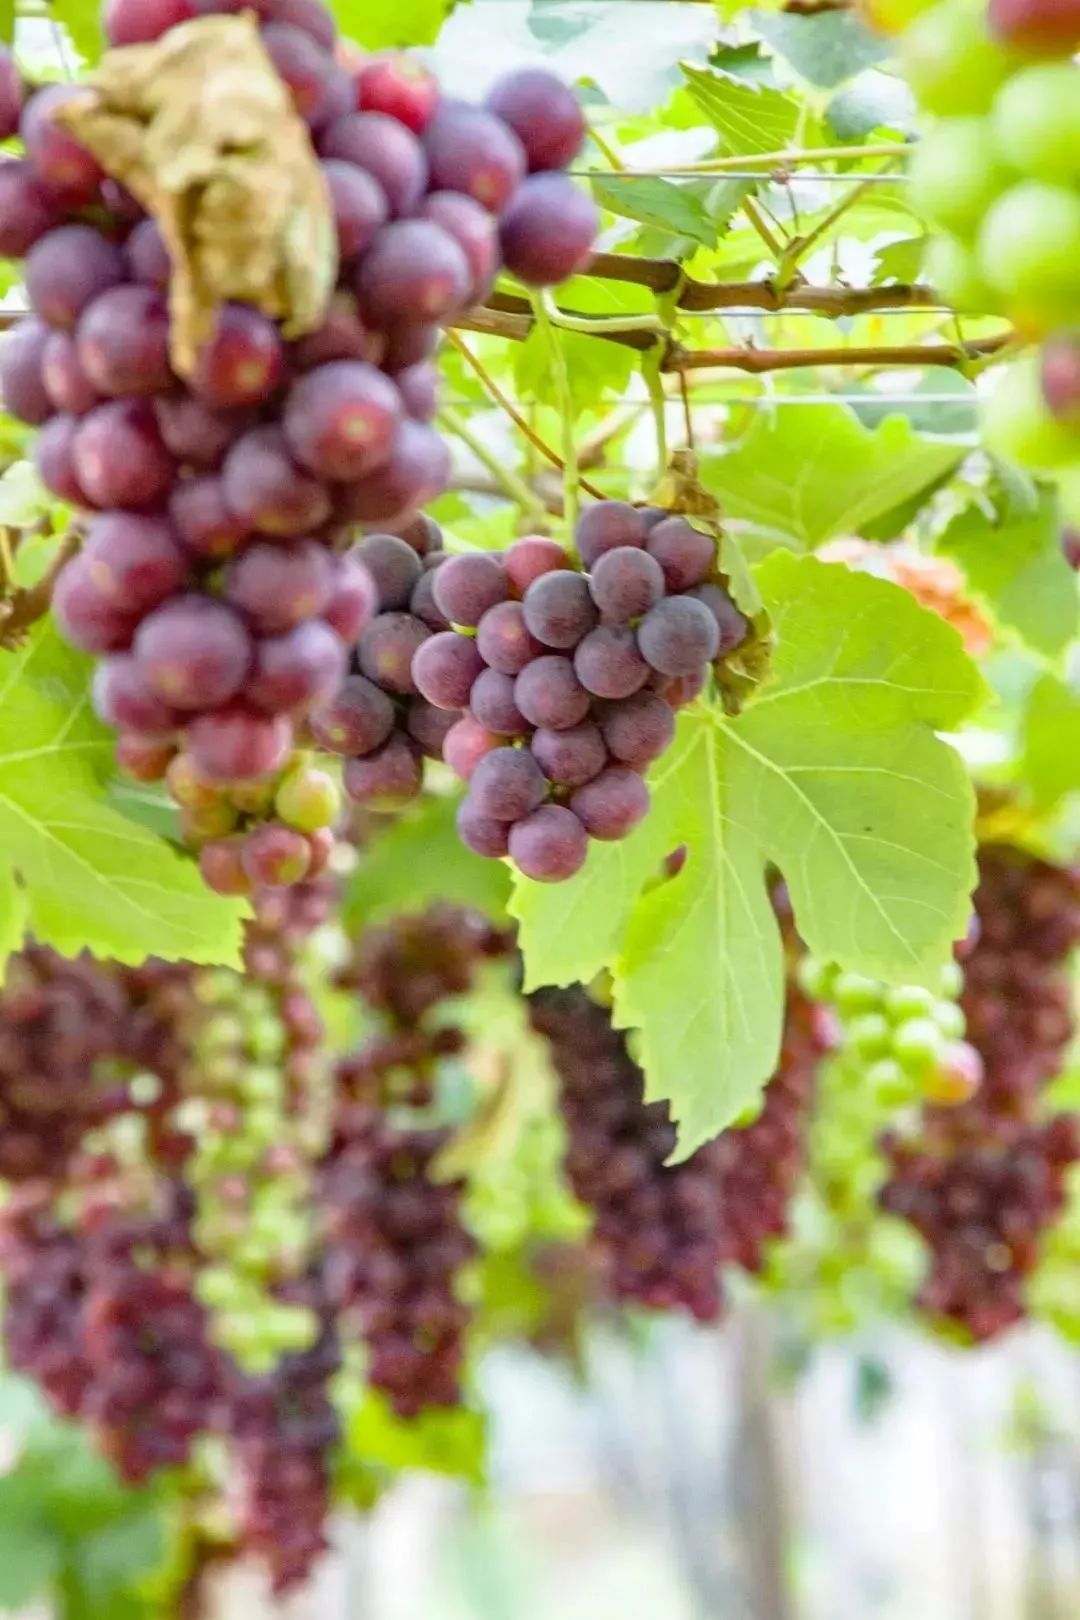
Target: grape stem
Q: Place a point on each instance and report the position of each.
(566, 406)
(514, 486)
(27, 606)
(786, 158)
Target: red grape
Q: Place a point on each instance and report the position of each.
(559, 609)
(359, 719)
(148, 257)
(242, 362)
(407, 343)
(203, 520)
(529, 558)
(359, 205)
(195, 654)
(422, 604)
(342, 336)
(85, 618)
(11, 95)
(66, 383)
(1037, 27)
(677, 637)
(548, 693)
(386, 149)
(504, 639)
(309, 15)
(306, 70)
(419, 389)
(135, 562)
(65, 167)
(732, 625)
(387, 648)
(268, 491)
(417, 471)
(387, 779)
(429, 727)
(474, 231)
(28, 210)
(482, 834)
(612, 804)
(492, 703)
(549, 845)
(221, 863)
(470, 150)
(414, 271)
(606, 525)
(548, 230)
(685, 554)
(445, 667)
(276, 587)
(123, 342)
(466, 744)
(507, 784)
(626, 583)
(123, 700)
(544, 114)
(235, 744)
(22, 382)
(638, 729)
(1061, 377)
(305, 666)
(608, 663)
(353, 601)
(466, 587)
(399, 86)
(393, 565)
(195, 434)
(570, 758)
(340, 419)
(120, 459)
(55, 459)
(276, 857)
(144, 758)
(138, 22)
(68, 269)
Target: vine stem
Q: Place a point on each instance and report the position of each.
(598, 325)
(566, 408)
(786, 158)
(514, 486)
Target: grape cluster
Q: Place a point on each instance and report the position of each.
(213, 582)
(570, 681)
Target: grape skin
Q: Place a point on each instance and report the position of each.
(445, 667)
(356, 721)
(414, 271)
(124, 701)
(466, 587)
(544, 114)
(134, 562)
(504, 640)
(429, 727)
(60, 162)
(66, 383)
(148, 257)
(559, 609)
(686, 556)
(638, 730)
(123, 342)
(202, 519)
(482, 834)
(678, 636)
(340, 419)
(395, 568)
(85, 618)
(67, 269)
(572, 757)
(28, 211)
(626, 583)
(507, 784)
(491, 700)
(234, 744)
(606, 525)
(194, 652)
(242, 363)
(549, 694)
(401, 87)
(608, 663)
(465, 745)
(386, 150)
(22, 384)
(612, 804)
(529, 558)
(267, 490)
(11, 95)
(474, 231)
(417, 471)
(120, 459)
(359, 203)
(548, 230)
(550, 845)
(388, 779)
(387, 649)
(293, 671)
(54, 455)
(733, 626)
(276, 587)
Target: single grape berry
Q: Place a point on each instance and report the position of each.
(399, 86)
(235, 744)
(66, 383)
(482, 834)
(548, 693)
(306, 70)
(134, 561)
(22, 372)
(356, 721)
(573, 757)
(359, 204)
(445, 667)
(342, 336)
(504, 638)
(394, 566)
(686, 556)
(294, 671)
(123, 342)
(416, 471)
(85, 618)
(67, 168)
(353, 601)
(387, 648)
(548, 230)
(609, 664)
(474, 231)
(549, 845)
(28, 210)
(466, 587)
(606, 525)
(472, 151)
(194, 652)
(544, 114)
(340, 419)
(414, 271)
(419, 389)
(491, 702)
(678, 636)
(124, 701)
(275, 587)
(308, 799)
(67, 269)
(388, 779)
(243, 362)
(626, 583)
(507, 784)
(386, 149)
(530, 557)
(638, 729)
(202, 519)
(120, 459)
(465, 745)
(733, 626)
(612, 804)
(429, 727)
(221, 864)
(559, 609)
(267, 490)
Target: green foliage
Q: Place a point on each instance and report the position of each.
(381, 24)
(418, 860)
(82, 20)
(826, 49)
(1051, 741)
(747, 118)
(438, 1442)
(1014, 563)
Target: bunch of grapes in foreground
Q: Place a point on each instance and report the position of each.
(570, 681)
(983, 1183)
(214, 582)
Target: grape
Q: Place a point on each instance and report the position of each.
(195, 653)
(276, 587)
(306, 665)
(548, 230)
(1036, 122)
(145, 759)
(550, 845)
(544, 114)
(950, 63)
(388, 151)
(267, 490)
(234, 744)
(305, 69)
(529, 558)
(341, 418)
(242, 362)
(482, 834)
(11, 95)
(732, 625)
(359, 719)
(504, 640)
(308, 799)
(445, 667)
(1029, 248)
(625, 583)
(606, 525)
(415, 271)
(387, 648)
(466, 744)
(422, 603)
(59, 161)
(353, 599)
(466, 587)
(954, 174)
(1060, 378)
(559, 609)
(1037, 27)
(424, 535)
(507, 784)
(608, 662)
(138, 22)
(85, 618)
(388, 779)
(492, 702)
(135, 562)
(548, 693)
(611, 805)
(678, 636)
(66, 383)
(275, 856)
(399, 86)
(429, 727)
(22, 382)
(221, 864)
(573, 757)
(203, 520)
(67, 269)
(123, 342)
(474, 231)
(953, 269)
(195, 434)
(469, 150)
(419, 389)
(54, 458)
(28, 210)
(1015, 420)
(359, 206)
(407, 343)
(148, 256)
(309, 15)
(685, 554)
(120, 459)
(123, 700)
(394, 566)
(639, 729)
(342, 336)
(418, 471)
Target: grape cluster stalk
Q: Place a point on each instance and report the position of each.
(216, 584)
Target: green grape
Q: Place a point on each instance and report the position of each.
(870, 1035)
(951, 981)
(1016, 422)
(1069, 492)
(950, 1020)
(887, 1080)
(955, 175)
(918, 1044)
(1029, 249)
(817, 978)
(1036, 121)
(953, 269)
(951, 63)
(308, 799)
(905, 1001)
(853, 992)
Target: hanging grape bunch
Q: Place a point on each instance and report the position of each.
(215, 583)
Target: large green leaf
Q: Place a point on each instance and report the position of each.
(657, 202)
(825, 49)
(75, 872)
(380, 24)
(29, 1547)
(1051, 741)
(835, 776)
(817, 472)
(747, 118)
(1015, 564)
(419, 860)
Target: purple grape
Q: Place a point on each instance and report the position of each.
(733, 626)
(492, 703)
(549, 694)
(342, 336)
(276, 587)
(424, 535)
(22, 382)
(242, 362)
(531, 557)
(11, 95)
(66, 383)
(550, 845)
(638, 729)
(685, 554)
(608, 663)
(59, 161)
(475, 233)
(276, 857)
(606, 525)
(504, 639)
(202, 519)
(138, 22)
(407, 343)
(559, 609)
(28, 210)
(612, 804)
(507, 784)
(402, 87)
(388, 779)
(123, 342)
(120, 459)
(429, 727)
(145, 759)
(67, 269)
(359, 203)
(268, 491)
(309, 15)
(419, 389)
(340, 419)
(422, 604)
(54, 455)
(626, 583)
(135, 562)
(194, 652)
(387, 648)
(85, 618)
(544, 114)
(677, 637)
(415, 271)
(196, 435)
(294, 671)
(148, 256)
(548, 230)
(482, 834)
(466, 744)
(570, 758)
(306, 70)
(470, 150)
(394, 566)
(418, 471)
(123, 700)
(388, 151)
(235, 744)
(353, 598)
(467, 587)
(357, 721)
(445, 667)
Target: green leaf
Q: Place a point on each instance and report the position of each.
(418, 860)
(747, 118)
(87, 876)
(383, 24)
(657, 202)
(82, 19)
(7, 21)
(817, 472)
(29, 1549)
(1016, 566)
(1050, 758)
(874, 101)
(825, 49)
(451, 1442)
(835, 776)
(899, 261)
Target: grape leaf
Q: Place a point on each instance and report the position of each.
(818, 472)
(747, 118)
(825, 49)
(1051, 741)
(1015, 564)
(657, 202)
(82, 19)
(76, 872)
(833, 775)
(418, 860)
(453, 1443)
(383, 24)
(7, 21)
(29, 1549)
